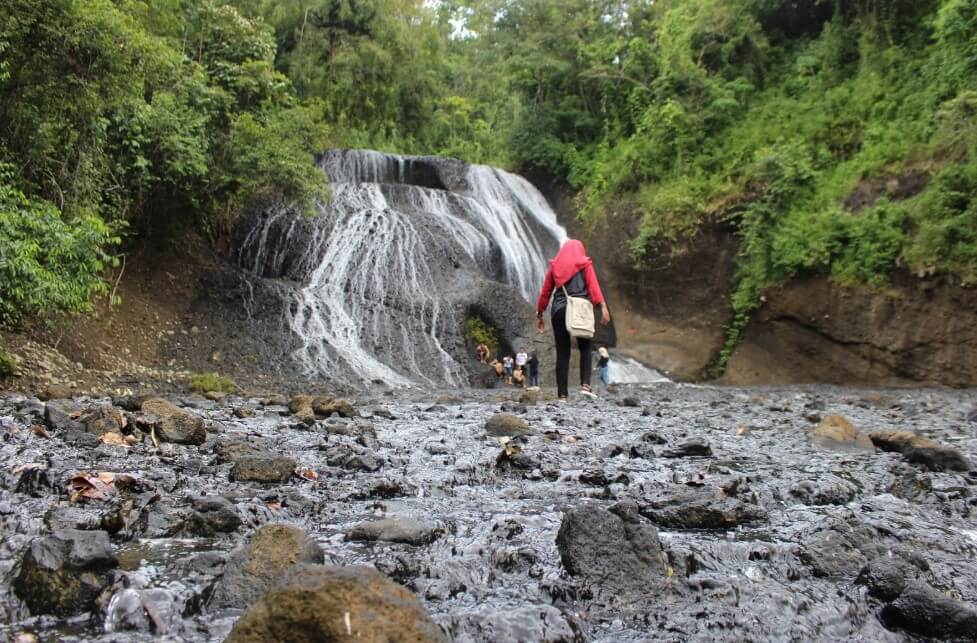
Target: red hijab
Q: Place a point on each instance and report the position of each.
(571, 259)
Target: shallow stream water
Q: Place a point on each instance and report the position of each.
(495, 572)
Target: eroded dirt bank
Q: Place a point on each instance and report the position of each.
(674, 512)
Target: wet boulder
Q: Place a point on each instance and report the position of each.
(840, 549)
(826, 489)
(395, 530)
(505, 425)
(922, 610)
(837, 430)
(234, 449)
(173, 424)
(920, 450)
(325, 406)
(352, 456)
(301, 408)
(64, 415)
(317, 603)
(66, 572)
(684, 507)
(696, 447)
(886, 577)
(616, 554)
(255, 566)
(539, 623)
(104, 419)
(154, 610)
(212, 515)
(262, 468)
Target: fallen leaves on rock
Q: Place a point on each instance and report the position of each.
(307, 474)
(100, 485)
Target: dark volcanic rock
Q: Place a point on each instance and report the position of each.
(923, 610)
(211, 515)
(63, 415)
(317, 603)
(262, 468)
(699, 508)
(234, 450)
(920, 450)
(631, 401)
(827, 489)
(837, 430)
(396, 530)
(65, 573)
(104, 419)
(604, 549)
(255, 566)
(690, 448)
(886, 577)
(327, 406)
(537, 623)
(840, 550)
(505, 424)
(173, 424)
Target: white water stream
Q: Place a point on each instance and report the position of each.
(372, 264)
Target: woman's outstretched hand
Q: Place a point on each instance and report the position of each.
(605, 317)
(540, 326)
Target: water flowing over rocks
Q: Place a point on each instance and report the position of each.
(578, 530)
(379, 283)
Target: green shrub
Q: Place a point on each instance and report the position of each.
(8, 365)
(479, 331)
(206, 382)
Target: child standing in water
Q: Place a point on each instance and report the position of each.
(603, 360)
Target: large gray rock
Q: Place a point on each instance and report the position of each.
(212, 515)
(173, 424)
(683, 507)
(920, 450)
(64, 573)
(255, 566)
(397, 530)
(317, 603)
(922, 610)
(886, 577)
(64, 415)
(615, 554)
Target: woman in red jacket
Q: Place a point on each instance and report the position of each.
(572, 269)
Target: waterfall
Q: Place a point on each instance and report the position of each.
(379, 272)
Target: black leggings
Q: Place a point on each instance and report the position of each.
(562, 336)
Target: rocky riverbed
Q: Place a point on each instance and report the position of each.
(671, 512)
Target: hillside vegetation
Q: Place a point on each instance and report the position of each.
(834, 137)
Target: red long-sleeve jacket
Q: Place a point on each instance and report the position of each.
(549, 285)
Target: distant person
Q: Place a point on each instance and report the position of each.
(518, 377)
(533, 365)
(499, 369)
(507, 364)
(603, 360)
(571, 272)
(521, 358)
(482, 353)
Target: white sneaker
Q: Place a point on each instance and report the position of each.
(589, 394)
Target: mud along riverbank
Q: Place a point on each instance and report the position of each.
(666, 513)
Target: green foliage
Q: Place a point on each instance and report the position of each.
(207, 382)
(479, 331)
(8, 365)
(46, 263)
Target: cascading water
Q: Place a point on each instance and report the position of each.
(380, 270)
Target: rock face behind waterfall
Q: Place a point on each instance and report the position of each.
(378, 284)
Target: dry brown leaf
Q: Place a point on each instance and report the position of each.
(85, 486)
(131, 440)
(26, 466)
(40, 431)
(116, 439)
(307, 474)
(274, 506)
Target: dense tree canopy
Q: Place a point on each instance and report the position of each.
(765, 116)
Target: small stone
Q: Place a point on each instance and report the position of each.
(506, 425)
(173, 423)
(836, 429)
(695, 447)
(258, 468)
(631, 401)
(886, 577)
(396, 530)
